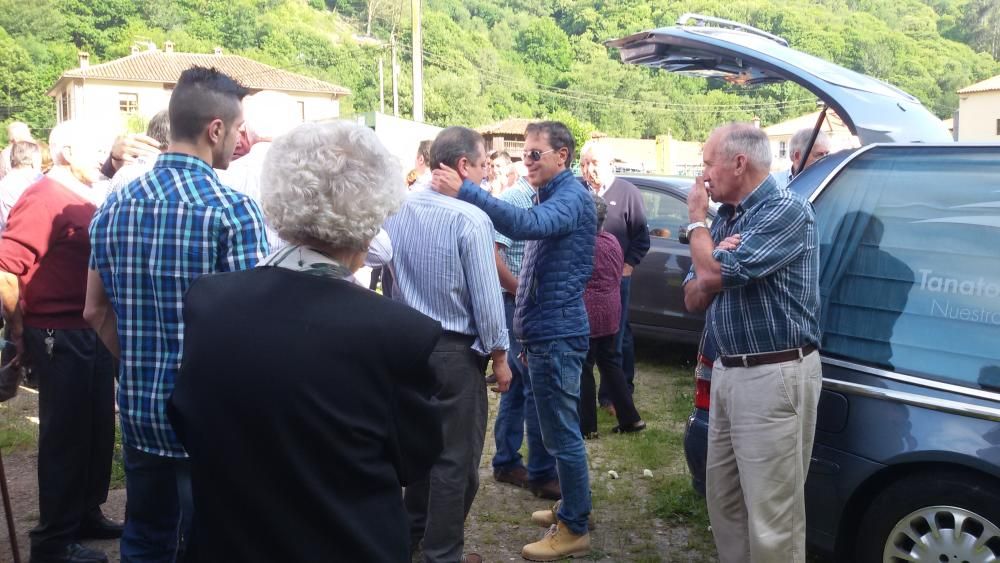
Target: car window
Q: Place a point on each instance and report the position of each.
(665, 214)
(909, 266)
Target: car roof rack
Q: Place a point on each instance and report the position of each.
(703, 21)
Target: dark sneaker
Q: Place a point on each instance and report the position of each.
(548, 490)
(636, 427)
(73, 553)
(517, 476)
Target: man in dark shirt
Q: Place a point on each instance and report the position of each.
(757, 274)
(627, 222)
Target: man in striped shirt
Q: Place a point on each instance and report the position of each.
(443, 266)
(149, 243)
(757, 273)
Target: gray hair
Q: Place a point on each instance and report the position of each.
(159, 128)
(557, 134)
(601, 207)
(268, 114)
(332, 182)
(745, 139)
(801, 137)
(454, 143)
(18, 131)
(25, 154)
(602, 152)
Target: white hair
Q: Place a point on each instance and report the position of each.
(801, 137)
(332, 182)
(72, 134)
(18, 131)
(745, 139)
(270, 114)
(601, 152)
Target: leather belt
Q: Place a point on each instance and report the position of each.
(750, 360)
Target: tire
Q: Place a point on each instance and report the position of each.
(929, 507)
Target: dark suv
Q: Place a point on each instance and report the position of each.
(906, 462)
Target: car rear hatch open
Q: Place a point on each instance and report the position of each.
(873, 110)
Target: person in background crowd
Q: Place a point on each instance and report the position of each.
(603, 300)
(443, 266)
(43, 285)
(627, 222)
(17, 132)
(760, 261)
(369, 425)
(158, 129)
(504, 173)
(550, 317)
(150, 242)
(421, 167)
(797, 147)
(127, 149)
(26, 169)
(267, 116)
(516, 414)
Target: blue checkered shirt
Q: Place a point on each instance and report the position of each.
(770, 283)
(149, 241)
(522, 195)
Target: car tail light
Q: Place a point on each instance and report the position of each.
(702, 385)
(702, 391)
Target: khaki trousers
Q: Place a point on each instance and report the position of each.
(762, 421)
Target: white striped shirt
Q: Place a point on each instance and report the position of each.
(443, 265)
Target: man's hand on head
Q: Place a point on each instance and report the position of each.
(128, 148)
(446, 181)
(698, 201)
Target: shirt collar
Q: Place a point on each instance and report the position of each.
(759, 194)
(185, 162)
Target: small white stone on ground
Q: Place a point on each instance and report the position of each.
(647, 473)
(613, 474)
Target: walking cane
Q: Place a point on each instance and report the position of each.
(11, 532)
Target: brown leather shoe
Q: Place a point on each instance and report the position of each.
(548, 490)
(472, 558)
(517, 476)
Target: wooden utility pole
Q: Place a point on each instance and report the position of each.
(418, 64)
(395, 79)
(381, 85)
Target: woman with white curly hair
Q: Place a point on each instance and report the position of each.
(300, 424)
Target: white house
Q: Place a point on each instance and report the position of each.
(979, 111)
(140, 84)
(780, 135)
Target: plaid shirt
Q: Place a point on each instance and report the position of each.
(522, 195)
(770, 283)
(149, 241)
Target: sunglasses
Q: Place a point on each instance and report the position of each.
(535, 155)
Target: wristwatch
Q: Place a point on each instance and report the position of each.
(697, 224)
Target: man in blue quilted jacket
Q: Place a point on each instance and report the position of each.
(550, 318)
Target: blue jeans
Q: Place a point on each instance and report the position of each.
(554, 368)
(158, 509)
(516, 414)
(625, 344)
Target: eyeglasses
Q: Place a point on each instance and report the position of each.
(535, 155)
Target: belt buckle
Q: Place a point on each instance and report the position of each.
(744, 358)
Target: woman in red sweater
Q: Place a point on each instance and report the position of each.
(603, 302)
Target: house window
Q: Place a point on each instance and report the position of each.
(782, 149)
(128, 102)
(302, 111)
(64, 106)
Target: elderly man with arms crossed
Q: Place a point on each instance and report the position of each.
(757, 275)
(550, 317)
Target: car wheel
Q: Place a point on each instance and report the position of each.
(951, 517)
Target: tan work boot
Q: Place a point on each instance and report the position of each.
(546, 518)
(558, 543)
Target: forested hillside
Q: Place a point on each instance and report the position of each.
(486, 60)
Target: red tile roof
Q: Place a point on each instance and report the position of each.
(512, 126)
(159, 66)
(984, 86)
